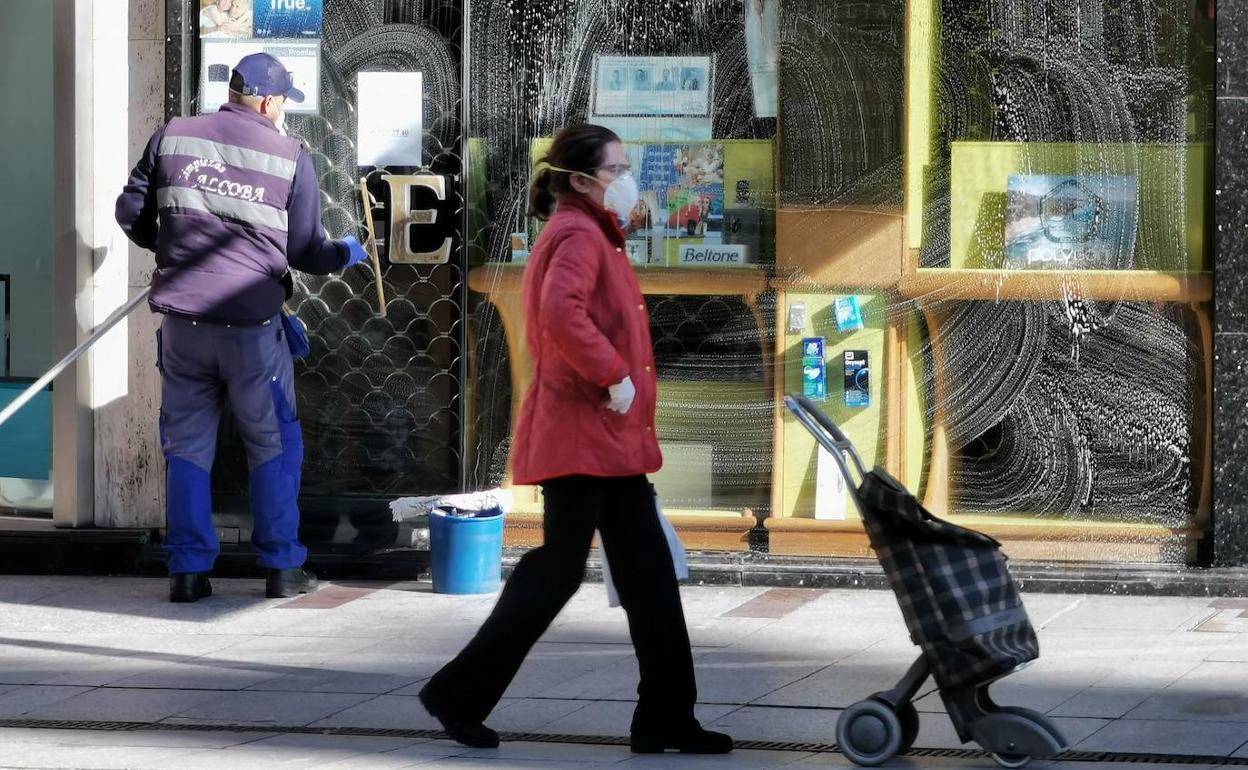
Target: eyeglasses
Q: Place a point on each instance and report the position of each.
(617, 170)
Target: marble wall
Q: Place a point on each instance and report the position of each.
(129, 467)
(1230, 504)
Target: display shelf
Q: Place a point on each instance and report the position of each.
(508, 278)
(699, 529)
(1021, 537)
(852, 248)
(1109, 285)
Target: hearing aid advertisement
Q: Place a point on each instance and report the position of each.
(653, 86)
(302, 58)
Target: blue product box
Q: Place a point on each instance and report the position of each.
(814, 369)
(848, 314)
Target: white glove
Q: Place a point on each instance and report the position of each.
(621, 396)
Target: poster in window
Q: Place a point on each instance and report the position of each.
(289, 18)
(302, 58)
(226, 18)
(1070, 222)
(653, 86)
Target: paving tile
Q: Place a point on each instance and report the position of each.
(778, 724)
(565, 670)
(743, 676)
(39, 755)
(184, 739)
(737, 759)
(845, 682)
(385, 712)
(1009, 692)
(466, 763)
(122, 705)
(1167, 737)
(326, 598)
(532, 715)
(1149, 674)
(1078, 729)
(774, 603)
(838, 762)
(302, 750)
(1135, 613)
(1181, 705)
(264, 708)
(335, 676)
(202, 674)
(17, 701)
(1104, 702)
(615, 718)
(551, 752)
(1120, 766)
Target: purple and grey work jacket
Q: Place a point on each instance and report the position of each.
(228, 204)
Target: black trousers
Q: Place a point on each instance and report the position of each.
(623, 511)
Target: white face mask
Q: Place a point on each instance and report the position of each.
(281, 123)
(621, 197)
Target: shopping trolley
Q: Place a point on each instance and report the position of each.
(961, 608)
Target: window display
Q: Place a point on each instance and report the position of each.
(979, 233)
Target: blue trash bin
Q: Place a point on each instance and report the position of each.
(466, 550)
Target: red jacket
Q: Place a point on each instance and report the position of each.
(587, 328)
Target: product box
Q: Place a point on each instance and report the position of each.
(857, 379)
(814, 369)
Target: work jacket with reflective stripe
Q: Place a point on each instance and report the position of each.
(228, 204)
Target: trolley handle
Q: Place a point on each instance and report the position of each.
(826, 431)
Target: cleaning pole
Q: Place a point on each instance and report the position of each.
(73, 356)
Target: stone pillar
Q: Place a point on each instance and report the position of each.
(129, 467)
(1230, 420)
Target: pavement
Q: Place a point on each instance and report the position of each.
(105, 673)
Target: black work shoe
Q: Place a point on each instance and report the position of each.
(468, 732)
(285, 583)
(694, 740)
(185, 587)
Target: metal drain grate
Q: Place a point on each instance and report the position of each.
(1115, 757)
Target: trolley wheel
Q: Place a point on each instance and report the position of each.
(1011, 760)
(908, 715)
(868, 733)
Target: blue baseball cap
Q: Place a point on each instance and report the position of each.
(261, 74)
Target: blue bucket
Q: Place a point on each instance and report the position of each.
(466, 551)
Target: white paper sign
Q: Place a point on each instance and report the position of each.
(829, 488)
(390, 111)
(302, 59)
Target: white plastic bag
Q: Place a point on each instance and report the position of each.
(408, 508)
(679, 558)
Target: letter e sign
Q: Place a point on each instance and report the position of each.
(411, 226)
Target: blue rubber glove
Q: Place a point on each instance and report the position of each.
(356, 253)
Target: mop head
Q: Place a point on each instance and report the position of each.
(412, 508)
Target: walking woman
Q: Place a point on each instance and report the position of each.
(586, 435)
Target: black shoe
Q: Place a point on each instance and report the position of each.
(185, 587)
(468, 732)
(285, 583)
(694, 740)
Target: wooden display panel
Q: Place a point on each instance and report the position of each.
(503, 285)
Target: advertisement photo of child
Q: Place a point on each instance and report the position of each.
(225, 18)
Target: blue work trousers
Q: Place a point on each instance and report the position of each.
(202, 366)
